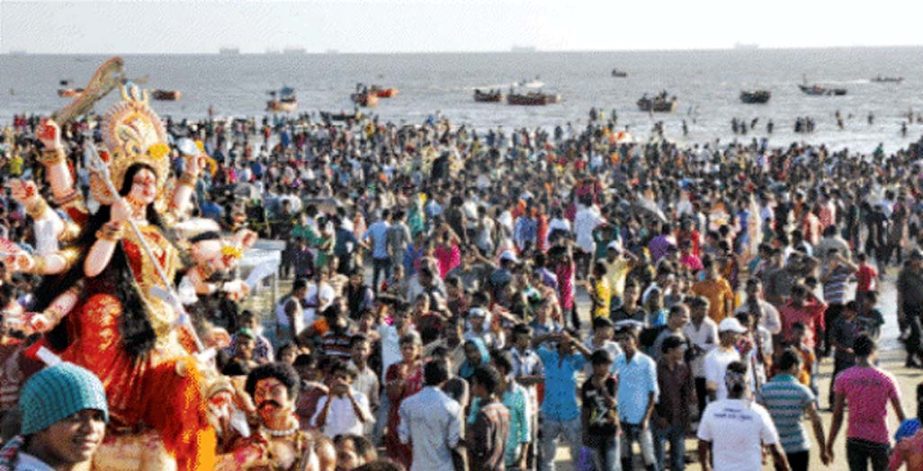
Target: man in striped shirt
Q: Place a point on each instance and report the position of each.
(788, 401)
(835, 278)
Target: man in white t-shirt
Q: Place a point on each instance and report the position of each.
(343, 410)
(319, 296)
(703, 333)
(733, 431)
(717, 360)
(586, 220)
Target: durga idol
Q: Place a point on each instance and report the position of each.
(100, 311)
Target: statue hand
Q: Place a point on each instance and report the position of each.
(49, 134)
(36, 322)
(23, 191)
(120, 211)
(20, 262)
(236, 289)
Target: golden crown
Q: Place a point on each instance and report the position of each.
(133, 134)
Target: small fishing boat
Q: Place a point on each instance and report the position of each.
(532, 99)
(493, 96)
(381, 92)
(619, 73)
(66, 91)
(880, 79)
(365, 98)
(817, 90)
(534, 83)
(659, 104)
(755, 96)
(283, 101)
(166, 95)
(69, 92)
(341, 116)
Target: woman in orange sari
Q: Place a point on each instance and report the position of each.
(402, 380)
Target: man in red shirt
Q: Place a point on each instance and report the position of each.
(803, 307)
(866, 277)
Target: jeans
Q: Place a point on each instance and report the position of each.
(384, 407)
(831, 314)
(676, 435)
(914, 343)
(551, 429)
(606, 456)
(799, 460)
(380, 265)
(861, 453)
(632, 433)
(701, 395)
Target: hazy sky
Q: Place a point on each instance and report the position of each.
(160, 26)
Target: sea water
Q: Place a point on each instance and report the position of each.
(707, 85)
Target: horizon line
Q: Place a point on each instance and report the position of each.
(293, 52)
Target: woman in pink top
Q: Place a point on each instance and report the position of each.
(867, 390)
(564, 269)
(448, 254)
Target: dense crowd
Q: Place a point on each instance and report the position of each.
(469, 299)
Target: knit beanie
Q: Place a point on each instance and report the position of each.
(58, 392)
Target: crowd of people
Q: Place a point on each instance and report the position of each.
(469, 299)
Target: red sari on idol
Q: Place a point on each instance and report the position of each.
(161, 389)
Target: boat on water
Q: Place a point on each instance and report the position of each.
(341, 116)
(365, 98)
(532, 99)
(166, 95)
(382, 92)
(755, 96)
(492, 96)
(66, 91)
(534, 83)
(659, 104)
(619, 73)
(817, 90)
(880, 79)
(283, 101)
(69, 92)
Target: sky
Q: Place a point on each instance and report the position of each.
(387, 26)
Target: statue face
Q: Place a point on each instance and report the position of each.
(206, 250)
(144, 186)
(271, 398)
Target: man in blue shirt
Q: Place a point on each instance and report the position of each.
(560, 414)
(431, 421)
(637, 396)
(788, 401)
(377, 234)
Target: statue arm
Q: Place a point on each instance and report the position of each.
(199, 278)
(182, 195)
(55, 312)
(58, 173)
(99, 257)
(101, 251)
(48, 264)
(185, 185)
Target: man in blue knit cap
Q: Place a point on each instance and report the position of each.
(64, 416)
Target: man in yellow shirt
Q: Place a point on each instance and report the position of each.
(618, 264)
(717, 290)
(600, 292)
